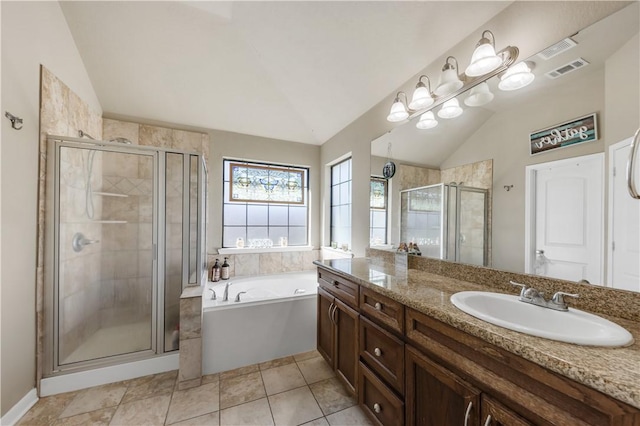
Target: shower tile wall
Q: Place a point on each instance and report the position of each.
(147, 135)
(63, 113)
(409, 177)
(477, 175)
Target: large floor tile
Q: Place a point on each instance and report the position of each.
(150, 411)
(96, 398)
(252, 413)
(332, 396)
(315, 369)
(193, 402)
(211, 419)
(95, 418)
(241, 389)
(239, 372)
(279, 362)
(282, 378)
(350, 416)
(294, 407)
(317, 422)
(47, 409)
(153, 385)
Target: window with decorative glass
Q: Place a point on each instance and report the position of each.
(341, 205)
(378, 211)
(265, 205)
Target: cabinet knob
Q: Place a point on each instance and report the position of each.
(377, 351)
(378, 306)
(335, 283)
(377, 408)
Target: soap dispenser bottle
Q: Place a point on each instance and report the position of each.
(215, 271)
(224, 271)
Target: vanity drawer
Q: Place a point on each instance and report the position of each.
(382, 310)
(383, 352)
(378, 401)
(340, 287)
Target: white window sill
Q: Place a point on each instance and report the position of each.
(334, 253)
(250, 250)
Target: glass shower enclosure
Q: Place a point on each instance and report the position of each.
(446, 221)
(125, 233)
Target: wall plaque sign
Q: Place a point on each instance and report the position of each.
(579, 130)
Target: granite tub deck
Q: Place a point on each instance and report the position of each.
(612, 371)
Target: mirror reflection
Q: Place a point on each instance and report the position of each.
(558, 212)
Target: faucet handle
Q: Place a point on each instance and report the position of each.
(238, 296)
(213, 294)
(523, 287)
(558, 298)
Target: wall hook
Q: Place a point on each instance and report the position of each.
(508, 187)
(14, 120)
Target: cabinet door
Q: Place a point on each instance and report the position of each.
(326, 328)
(437, 397)
(496, 414)
(346, 362)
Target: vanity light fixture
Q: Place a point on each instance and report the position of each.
(427, 121)
(517, 76)
(450, 109)
(484, 58)
(449, 79)
(479, 95)
(398, 109)
(422, 95)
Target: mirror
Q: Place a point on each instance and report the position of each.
(488, 146)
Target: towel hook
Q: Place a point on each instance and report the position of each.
(14, 120)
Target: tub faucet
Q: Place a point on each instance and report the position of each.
(213, 294)
(225, 296)
(238, 296)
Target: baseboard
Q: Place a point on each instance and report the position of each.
(101, 376)
(20, 409)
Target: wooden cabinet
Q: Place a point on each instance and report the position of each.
(382, 405)
(383, 353)
(436, 396)
(496, 414)
(337, 330)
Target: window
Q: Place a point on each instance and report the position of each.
(265, 202)
(378, 211)
(341, 204)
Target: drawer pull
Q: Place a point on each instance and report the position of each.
(488, 422)
(335, 283)
(378, 306)
(466, 414)
(377, 408)
(377, 351)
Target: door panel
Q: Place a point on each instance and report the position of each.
(568, 219)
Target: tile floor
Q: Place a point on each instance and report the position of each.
(296, 390)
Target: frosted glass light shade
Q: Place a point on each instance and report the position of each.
(479, 95)
(421, 98)
(483, 61)
(449, 82)
(450, 109)
(398, 112)
(516, 77)
(427, 121)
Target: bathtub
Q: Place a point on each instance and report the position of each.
(276, 317)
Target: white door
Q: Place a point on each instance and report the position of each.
(567, 219)
(624, 223)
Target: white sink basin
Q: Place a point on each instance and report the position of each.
(574, 326)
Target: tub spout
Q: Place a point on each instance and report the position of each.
(225, 297)
(299, 290)
(238, 296)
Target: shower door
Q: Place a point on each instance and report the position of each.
(104, 259)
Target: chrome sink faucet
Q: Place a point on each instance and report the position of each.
(535, 297)
(225, 296)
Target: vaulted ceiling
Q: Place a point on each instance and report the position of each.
(298, 71)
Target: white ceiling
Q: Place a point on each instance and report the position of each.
(298, 71)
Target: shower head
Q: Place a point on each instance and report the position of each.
(121, 140)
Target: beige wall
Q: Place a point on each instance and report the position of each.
(531, 26)
(33, 33)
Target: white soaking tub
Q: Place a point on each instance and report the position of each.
(276, 317)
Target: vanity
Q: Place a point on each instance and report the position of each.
(411, 357)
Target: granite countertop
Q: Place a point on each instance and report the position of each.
(612, 371)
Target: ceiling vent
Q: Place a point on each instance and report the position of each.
(558, 48)
(565, 69)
